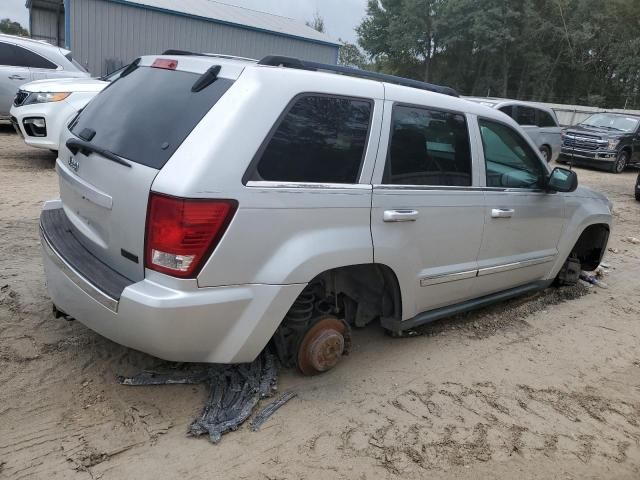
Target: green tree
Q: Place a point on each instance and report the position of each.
(317, 23)
(400, 34)
(564, 51)
(351, 56)
(12, 28)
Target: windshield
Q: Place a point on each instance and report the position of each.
(146, 115)
(609, 121)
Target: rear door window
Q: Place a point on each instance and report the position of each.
(146, 115)
(15, 56)
(32, 60)
(6, 54)
(526, 115)
(545, 119)
(428, 147)
(321, 139)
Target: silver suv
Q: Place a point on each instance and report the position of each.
(24, 60)
(212, 206)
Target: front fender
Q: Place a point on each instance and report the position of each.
(582, 212)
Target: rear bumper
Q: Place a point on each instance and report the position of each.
(217, 325)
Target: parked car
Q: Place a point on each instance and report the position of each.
(238, 203)
(611, 140)
(23, 60)
(41, 108)
(540, 123)
(638, 188)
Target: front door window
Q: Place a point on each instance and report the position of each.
(509, 160)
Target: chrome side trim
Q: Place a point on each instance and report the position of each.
(85, 189)
(444, 188)
(515, 265)
(308, 185)
(83, 284)
(447, 277)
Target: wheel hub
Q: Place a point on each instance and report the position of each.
(322, 346)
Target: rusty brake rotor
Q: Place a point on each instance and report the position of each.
(323, 345)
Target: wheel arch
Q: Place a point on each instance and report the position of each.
(374, 287)
(591, 245)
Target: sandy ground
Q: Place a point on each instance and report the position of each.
(543, 387)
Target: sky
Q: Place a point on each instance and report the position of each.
(340, 16)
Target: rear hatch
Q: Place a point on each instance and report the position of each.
(116, 146)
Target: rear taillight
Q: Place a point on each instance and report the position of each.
(182, 232)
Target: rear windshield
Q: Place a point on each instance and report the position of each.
(146, 115)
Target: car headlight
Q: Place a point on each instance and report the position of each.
(45, 97)
(613, 144)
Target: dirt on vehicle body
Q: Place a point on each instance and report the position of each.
(543, 387)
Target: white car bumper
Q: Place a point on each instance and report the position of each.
(55, 115)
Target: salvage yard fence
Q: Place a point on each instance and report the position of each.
(573, 114)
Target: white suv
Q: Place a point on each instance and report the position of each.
(210, 206)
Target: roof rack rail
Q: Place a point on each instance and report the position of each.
(214, 55)
(290, 62)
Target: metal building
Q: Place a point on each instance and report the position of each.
(107, 34)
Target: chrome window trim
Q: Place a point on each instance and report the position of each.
(446, 188)
(447, 277)
(515, 265)
(82, 283)
(307, 185)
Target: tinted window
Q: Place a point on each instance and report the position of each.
(428, 147)
(545, 119)
(6, 54)
(146, 115)
(508, 110)
(21, 57)
(510, 161)
(526, 115)
(320, 139)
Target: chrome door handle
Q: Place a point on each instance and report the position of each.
(502, 212)
(400, 215)
(16, 77)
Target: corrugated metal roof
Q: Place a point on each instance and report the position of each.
(233, 15)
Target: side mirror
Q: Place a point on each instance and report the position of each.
(562, 180)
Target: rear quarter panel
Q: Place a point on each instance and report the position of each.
(280, 234)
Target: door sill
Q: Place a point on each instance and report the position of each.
(398, 326)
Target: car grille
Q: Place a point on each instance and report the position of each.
(583, 143)
(21, 96)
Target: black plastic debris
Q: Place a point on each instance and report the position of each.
(269, 410)
(234, 391)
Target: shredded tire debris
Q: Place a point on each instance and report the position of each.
(269, 410)
(234, 392)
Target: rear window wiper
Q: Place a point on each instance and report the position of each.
(75, 145)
